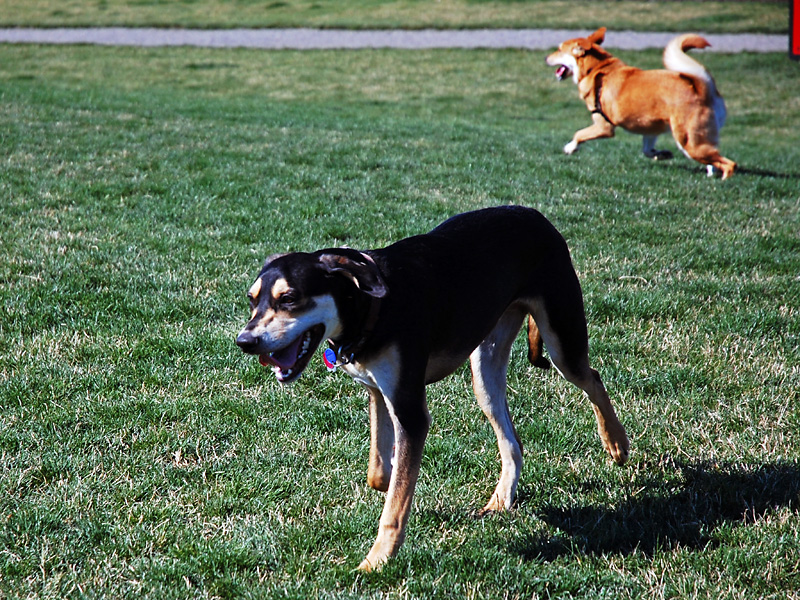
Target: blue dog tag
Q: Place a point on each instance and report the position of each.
(329, 358)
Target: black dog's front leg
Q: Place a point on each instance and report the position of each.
(381, 446)
(410, 430)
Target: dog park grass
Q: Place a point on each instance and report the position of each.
(142, 455)
(766, 16)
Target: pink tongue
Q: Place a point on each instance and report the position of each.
(560, 70)
(284, 358)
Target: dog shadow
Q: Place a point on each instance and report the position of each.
(685, 510)
(741, 171)
(766, 173)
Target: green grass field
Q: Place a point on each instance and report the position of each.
(143, 456)
(671, 15)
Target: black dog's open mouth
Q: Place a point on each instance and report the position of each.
(289, 362)
(562, 72)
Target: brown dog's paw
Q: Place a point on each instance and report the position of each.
(662, 155)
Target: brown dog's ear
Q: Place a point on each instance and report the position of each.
(359, 268)
(583, 45)
(598, 36)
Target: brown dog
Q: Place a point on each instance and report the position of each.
(401, 317)
(683, 98)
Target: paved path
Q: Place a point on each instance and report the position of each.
(318, 39)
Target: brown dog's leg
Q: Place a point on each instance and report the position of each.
(600, 128)
(709, 155)
(650, 151)
(702, 148)
(726, 165)
(410, 431)
(381, 445)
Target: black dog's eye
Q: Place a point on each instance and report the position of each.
(251, 299)
(287, 301)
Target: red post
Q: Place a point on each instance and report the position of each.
(794, 29)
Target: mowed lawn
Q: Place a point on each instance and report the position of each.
(143, 456)
(721, 16)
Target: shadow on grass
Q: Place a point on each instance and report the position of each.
(684, 510)
(696, 168)
(766, 173)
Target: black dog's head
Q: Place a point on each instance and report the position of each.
(299, 299)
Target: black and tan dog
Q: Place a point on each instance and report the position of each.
(409, 314)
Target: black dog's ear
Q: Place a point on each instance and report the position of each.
(359, 268)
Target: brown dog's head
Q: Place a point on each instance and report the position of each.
(299, 299)
(572, 54)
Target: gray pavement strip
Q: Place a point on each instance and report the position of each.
(328, 39)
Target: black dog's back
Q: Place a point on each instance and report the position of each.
(458, 279)
(476, 252)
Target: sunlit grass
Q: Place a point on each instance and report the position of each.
(711, 16)
(142, 455)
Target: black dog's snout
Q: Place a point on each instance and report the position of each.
(246, 341)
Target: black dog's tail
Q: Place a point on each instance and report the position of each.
(535, 346)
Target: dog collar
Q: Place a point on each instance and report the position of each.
(598, 90)
(343, 354)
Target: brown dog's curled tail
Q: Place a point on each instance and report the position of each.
(676, 59)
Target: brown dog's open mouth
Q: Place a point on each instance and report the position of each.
(289, 362)
(562, 72)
